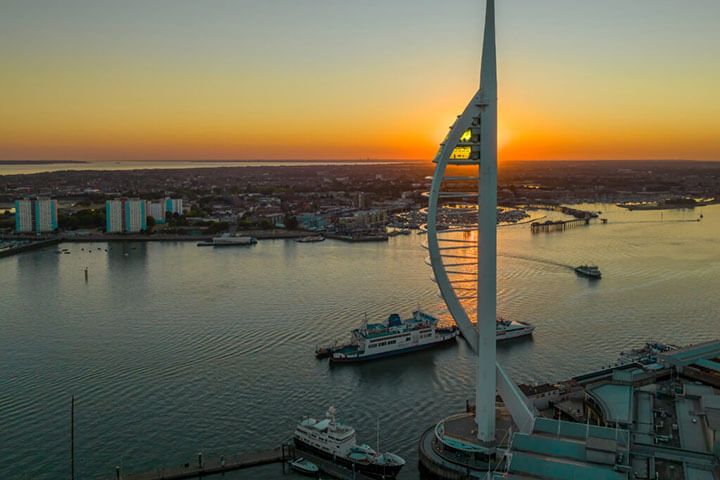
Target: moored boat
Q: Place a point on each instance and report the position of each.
(306, 467)
(335, 441)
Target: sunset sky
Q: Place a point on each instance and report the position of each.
(340, 79)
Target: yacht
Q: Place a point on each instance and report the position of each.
(392, 337)
(335, 441)
(590, 271)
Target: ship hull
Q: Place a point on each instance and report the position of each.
(370, 469)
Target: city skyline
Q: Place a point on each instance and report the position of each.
(335, 80)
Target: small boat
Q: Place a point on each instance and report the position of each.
(306, 467)
(311, 239)
(590, 271)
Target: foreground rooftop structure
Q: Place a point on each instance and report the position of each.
(655, 414)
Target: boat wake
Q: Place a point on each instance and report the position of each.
(537, 260)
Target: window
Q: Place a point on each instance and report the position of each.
(461, 153)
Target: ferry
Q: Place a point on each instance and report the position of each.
(396, 336)
(229, 240)
(392, 337)
(590, 271)
(335, 441)
(507, 329)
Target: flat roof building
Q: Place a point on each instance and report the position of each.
(36, 215)
(125, 215)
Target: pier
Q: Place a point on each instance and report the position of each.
(558, 226)
(32, 244)
(582, 217)
(201, 467)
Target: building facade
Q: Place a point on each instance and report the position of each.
(36, 215)
(156, 210)
(174, 205)
(125, 215)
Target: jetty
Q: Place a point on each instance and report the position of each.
(582, 217)
(15, 247)
(201, 467)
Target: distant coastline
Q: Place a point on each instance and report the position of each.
(39, 162)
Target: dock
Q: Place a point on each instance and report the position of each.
(559, 225)
(32, 244)
(582, 217)
(201, 467)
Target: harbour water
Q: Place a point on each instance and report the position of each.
(172, 350)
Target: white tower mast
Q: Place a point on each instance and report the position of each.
(466, 269)
(487, 236)
(472, 143)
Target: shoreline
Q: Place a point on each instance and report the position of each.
(101, 237)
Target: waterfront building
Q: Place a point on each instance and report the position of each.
(174, 205)
(125, 215)
(156, 210)
(36, 215)
(311, 221)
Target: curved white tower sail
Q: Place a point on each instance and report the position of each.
(462, 248)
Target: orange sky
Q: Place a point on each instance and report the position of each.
(263, 82)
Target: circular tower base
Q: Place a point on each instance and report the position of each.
(450, 449)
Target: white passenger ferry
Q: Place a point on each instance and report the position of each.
(333, 440)
(392, 337)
